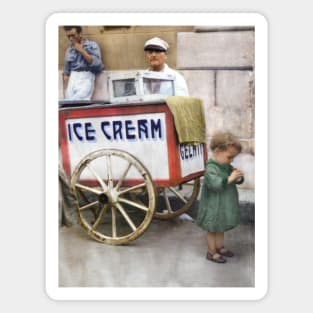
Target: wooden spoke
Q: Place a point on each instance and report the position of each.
(93, 190)
(176, 202)
(99, 218)
(135, 204)
(99, 179)
(114, 227)
(126, 216)
(133, 188)
(82, 195)
(88, 206)
(167, 202)
(123, 177)
(178, 194)
(109, 170)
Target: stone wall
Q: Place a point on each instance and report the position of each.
(218, 65)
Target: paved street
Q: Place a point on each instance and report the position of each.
(170, 253)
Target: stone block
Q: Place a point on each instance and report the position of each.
(236, 121)
(245, 162)
(201, 85)
(223, 49)
(247, 145)
(227, 101)
(234, 89)
(235, 103)
(214, 121)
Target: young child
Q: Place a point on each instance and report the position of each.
(219, 204)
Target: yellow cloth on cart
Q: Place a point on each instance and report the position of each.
(188, 118)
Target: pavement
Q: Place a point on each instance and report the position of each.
(170, 253)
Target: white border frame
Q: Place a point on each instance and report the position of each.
(261, 160)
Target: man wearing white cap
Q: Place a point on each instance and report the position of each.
(156, 49)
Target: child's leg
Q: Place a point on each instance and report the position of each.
(219, 240)
(220, 246)
(212, 254)
(211, 242)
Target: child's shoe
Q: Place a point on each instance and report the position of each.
(215, 257)
(225, 252)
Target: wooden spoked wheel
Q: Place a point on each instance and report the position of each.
(114, 195)
(174, 201)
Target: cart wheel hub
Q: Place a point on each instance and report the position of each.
(103, 198)
(110, 197)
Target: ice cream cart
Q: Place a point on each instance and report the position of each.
(125, 159)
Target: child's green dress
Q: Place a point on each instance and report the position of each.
(219, 204)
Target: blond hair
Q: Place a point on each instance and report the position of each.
(221, 141)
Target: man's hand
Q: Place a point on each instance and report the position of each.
(79, 47)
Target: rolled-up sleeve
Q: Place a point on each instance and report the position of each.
(94, 50)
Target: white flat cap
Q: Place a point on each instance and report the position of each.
(156, 43)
